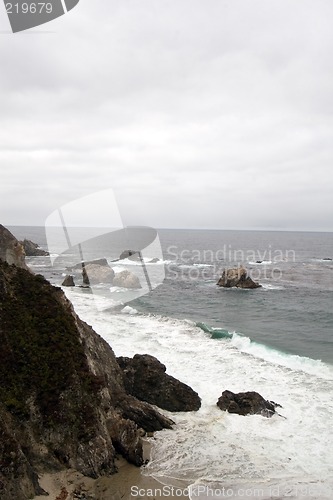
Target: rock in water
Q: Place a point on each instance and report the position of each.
(11, 250)
(246, 403)
(126, 279)
(32, 249)
(145, 378)
(130, 254)
(63, 403)
(99, 274)
(237, 277)
(68, 281)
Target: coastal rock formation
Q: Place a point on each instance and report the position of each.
(126, 279)
(246, 403)
(68, 281)
(32, 249)
(99, 273)
(145, 378)
(130, 254)
(96, 262)
(11, 250)
(63, 403)
(237, 277)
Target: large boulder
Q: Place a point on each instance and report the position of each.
(63, 403)
(126, 279)
(99, 274)
(246, 403)
(145, 378)
(32, 249)
(11, 250)
(237, 277)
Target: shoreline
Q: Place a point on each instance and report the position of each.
(127, 484)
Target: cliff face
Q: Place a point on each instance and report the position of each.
(62, 397)
(11, 250)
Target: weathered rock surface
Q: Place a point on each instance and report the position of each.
(99, 274)
(68, 281)
(63, 402)
(126, 279)
(237, 277)
(246, 403)
(11, 250)
(32, 249)
(145, 378)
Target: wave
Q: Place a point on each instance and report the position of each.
(272, 355)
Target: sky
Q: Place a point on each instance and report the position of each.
(197, 114)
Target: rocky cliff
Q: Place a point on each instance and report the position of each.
(11, 250)
(62, 398)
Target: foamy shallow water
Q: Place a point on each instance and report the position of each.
(210, 447)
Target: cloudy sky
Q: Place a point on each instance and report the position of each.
(207, 114)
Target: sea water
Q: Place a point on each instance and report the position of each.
(276, 340)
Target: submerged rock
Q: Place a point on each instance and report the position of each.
(130, 254)
(32, 249)
(63, 403)
(237, 277)
(145, 378)
(246, 403)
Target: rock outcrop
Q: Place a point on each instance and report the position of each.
(68, 281)
(96, 262)
(32, 249)
(99, 274)
(237, 277)
(246, 403)
(63, 402)
(11, 250)
(145, 378)
(126, 279)
(130, 254)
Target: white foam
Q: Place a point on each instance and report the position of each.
(210, 445)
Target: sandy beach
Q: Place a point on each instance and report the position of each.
(127, 484)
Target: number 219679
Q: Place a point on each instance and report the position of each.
(29, 8)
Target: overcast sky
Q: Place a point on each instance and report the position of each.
(197, 113)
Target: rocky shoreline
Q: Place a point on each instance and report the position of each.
(68, 406)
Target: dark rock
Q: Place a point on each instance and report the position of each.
(68, 281)
(126, 279)
(63, 403)
(237, 277)
(327, 258)
(130, 254)
(145, 378)
(11, 250)
(246, 403)
(154, 260)
(32, 249)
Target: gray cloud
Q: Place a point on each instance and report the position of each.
(197, 114)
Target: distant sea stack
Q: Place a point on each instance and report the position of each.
(237, 277)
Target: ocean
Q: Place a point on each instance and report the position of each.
(276, 340)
